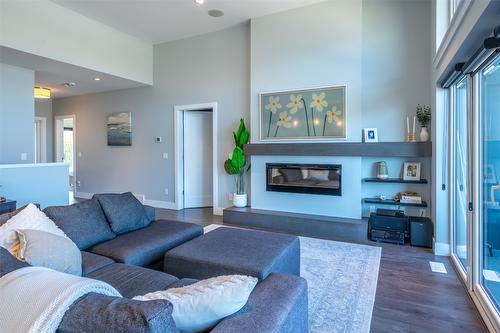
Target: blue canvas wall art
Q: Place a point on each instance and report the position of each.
(120, 129)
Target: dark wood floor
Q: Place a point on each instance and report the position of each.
(410, 297)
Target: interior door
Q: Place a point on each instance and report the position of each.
(198, 151)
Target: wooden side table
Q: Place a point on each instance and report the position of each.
(7, 206)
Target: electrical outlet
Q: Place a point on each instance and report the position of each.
(166, 191)
(24, 156)
(165, 156)
(78, 183)
(230, 197)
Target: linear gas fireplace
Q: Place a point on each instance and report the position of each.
(304, 178)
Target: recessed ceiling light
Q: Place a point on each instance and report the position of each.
(69, 84)
(199, 2)
(97, 79)
(215, 13)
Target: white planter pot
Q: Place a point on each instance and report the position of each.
(424, 134)
(240, 200)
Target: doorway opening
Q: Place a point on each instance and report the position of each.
(65, 140)
(196, 156)
(40, 139)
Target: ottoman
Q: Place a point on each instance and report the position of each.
(227, 251)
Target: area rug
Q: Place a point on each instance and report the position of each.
(342, 282)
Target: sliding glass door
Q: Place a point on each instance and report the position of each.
(459, 160)
(489, 148)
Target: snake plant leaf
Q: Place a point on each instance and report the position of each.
(241, 129)
(238, 158)
(243, 139)
(230, 169)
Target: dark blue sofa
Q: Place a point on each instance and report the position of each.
(277, 304)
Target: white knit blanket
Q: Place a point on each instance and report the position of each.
(35, 299)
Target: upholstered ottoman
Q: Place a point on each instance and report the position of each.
(234, 251)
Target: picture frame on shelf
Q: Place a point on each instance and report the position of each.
(370, 135)
(411, 171)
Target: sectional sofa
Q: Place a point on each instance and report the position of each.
(129, 256)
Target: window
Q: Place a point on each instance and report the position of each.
(489, 224)
(460, 171)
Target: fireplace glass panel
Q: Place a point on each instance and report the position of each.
(304, 178)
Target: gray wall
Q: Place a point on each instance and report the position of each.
(381, 50)
(208, 68)
(16, 114)
(43, 108)
(396, 64)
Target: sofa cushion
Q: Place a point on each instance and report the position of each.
(131, 280)
(277, 304)
(148, 245)
(9, 263)
(83, 222)
(123, 211)
(95, 313)
(92, 262)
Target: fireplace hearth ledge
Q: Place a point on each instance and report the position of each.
(309, 225)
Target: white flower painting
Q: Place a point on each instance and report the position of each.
(310, 114)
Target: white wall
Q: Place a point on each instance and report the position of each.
(46, 29)
(16, 114)
(44, 183)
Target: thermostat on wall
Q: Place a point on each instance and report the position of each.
(158, 139)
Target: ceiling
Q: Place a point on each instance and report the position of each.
(53, 74)
(158, 21)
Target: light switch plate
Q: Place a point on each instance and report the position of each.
(165, 156)
(79, 154)
(24, 156)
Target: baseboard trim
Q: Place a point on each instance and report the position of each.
(83, 195)
(161, 204)
(218, 211)
(442, 249)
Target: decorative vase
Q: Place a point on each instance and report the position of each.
(382, 170)
(424, 134)
(240, 200)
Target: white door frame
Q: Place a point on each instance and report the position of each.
(179, 160)
(56, 143)
(43, 139)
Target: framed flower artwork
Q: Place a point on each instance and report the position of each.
(306, 114)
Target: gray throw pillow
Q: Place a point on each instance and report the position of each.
(9, 263)
(40, 248)
(83, 222)
(123, 211)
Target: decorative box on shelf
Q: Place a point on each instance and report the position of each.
(411, 199)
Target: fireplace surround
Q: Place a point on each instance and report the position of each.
(323, 179)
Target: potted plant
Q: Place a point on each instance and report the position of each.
(424, 117)
(237, 165)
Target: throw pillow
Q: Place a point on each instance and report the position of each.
(202, 305)
(29, 218)
(40, 248)
(83, 222)
(123, 211)
(9, 263)
(7, 216)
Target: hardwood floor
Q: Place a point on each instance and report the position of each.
(410, 297)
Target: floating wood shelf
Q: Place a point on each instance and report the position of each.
(379, 149)
(395, 180)
(392, 202)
